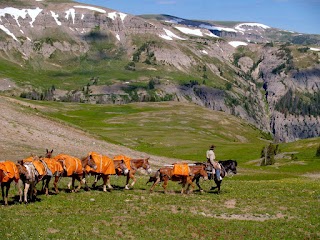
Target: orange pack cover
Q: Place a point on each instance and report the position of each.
(72, 165)
(125, 159)
(37, 164)
(9, 170)
(54, 166)
(181, 169)
(105, 165)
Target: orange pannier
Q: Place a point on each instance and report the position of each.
(125, 159)
(181, 169)
(10, 171)
(105, 165)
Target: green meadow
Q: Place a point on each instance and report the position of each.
(281, 201)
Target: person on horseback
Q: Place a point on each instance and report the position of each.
(211, 157)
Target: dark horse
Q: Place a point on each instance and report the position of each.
(227, 166)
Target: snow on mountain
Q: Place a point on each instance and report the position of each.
(58, 16)
(240, 26)
(92, 8)
(210, 27)
(196, 32)
(315, 49)
(237, 43)
(170, 35)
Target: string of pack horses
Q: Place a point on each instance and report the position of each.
(28, 172)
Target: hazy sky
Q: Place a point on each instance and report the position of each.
(293, 15)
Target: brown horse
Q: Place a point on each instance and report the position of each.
(106, 167)
(8, 173)
(135, 165)
(73, 167)
(56, 170)
(167, 173)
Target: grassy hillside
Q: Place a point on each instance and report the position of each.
(170, 129)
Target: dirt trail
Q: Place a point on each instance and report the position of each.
(23, 132)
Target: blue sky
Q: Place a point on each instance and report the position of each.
(293, 15)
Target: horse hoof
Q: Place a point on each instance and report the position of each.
(127, 188)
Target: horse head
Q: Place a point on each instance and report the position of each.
(203, 172)
(89, 161)
(229, 166)
(49, 153)
(123, 167)
(146, 166)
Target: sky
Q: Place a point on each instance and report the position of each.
(293, 15)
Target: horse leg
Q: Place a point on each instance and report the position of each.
(96, 179)
(218, 186)
(129, 176)
(7, 192)
(20, 185)
(71, 186)
(55, 183)
(165, 184)
(108, 182)
(154, 184)
(133, 179)
(81, 180)
(183, 185)
(26, 190)
(190, 183)
(46, 185)
(198, 184)
(2, 190)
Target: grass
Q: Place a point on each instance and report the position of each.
(270, 209)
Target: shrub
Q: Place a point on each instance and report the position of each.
(268, 153)
(318, 152)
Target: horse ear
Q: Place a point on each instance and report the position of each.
(51, 151)
(47, 150)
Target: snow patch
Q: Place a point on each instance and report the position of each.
(16, 13)
(175, 20)
(315, 49)
(55, 16)
(114, 15)
(71, 12)
(186, 30)
(204, 52)
(91, 8)
(166, 37)
(118, 37)
(172, 35)
(225, 29)
(3, 28)
(254, 25)
(237, 43)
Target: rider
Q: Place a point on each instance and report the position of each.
(211, 157)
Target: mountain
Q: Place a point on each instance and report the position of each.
(66, 51)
